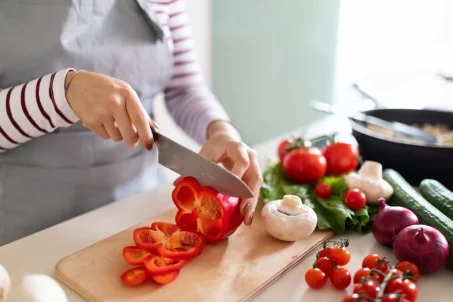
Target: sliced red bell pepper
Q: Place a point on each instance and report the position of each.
(135, 276)
(165, 278)
(157, 265)
(179, 244)
(148, 239)
(203, 210)
(134, 255)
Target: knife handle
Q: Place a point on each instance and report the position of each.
(155, 133)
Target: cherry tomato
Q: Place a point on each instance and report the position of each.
(304, 166)
(394, 298)
(326, 265)
(341, 158)
(325, 252)
(165, 278)
(396, 273)
(134, 276)
(365, 272)
(409, 268)
(354, 298)
(323, 190)
(406, 288)
(340, 278)
(282, 148)
(368, 288)
(340, 255)
(315, 278)
(355, 199)
(376, 261)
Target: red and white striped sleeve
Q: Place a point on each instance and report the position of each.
(188, 99)
(33, 109)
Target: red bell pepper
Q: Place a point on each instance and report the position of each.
(165, 278)
(178, 244)
(134, 255)
(135, 276)
(148, 239)
(157, 265)
(203, 210)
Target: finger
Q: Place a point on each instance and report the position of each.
(112, 130)
(140, 120)
(213, 154)
(237, 152)
(126, 127)
(253, 178)
(100, 130)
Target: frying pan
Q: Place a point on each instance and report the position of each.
(414, 162)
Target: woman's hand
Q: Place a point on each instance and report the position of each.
(225, 146)
(110, 108)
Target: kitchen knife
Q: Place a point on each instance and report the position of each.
(186, 162)
(361, 117)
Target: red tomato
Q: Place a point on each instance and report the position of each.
(376, 261)
(282, 148)
(340, 255)
(326, 265)
(323, 190)
(410, 269)
(340, 278)
(134, 276)
(304, 166)
(394, 298)
(354, 298)
(325, 252)
(365, 272)
(368, 289)
(315, 278)
(165, 278)
(341, 158)
(134, 255)
(406, 288)
(355, 199)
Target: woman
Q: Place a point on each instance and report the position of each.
(78, 77)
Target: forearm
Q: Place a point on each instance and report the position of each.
(33, 109)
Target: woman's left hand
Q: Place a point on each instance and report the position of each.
(225, 146)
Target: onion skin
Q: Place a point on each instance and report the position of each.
(423, 245)
(389, 221)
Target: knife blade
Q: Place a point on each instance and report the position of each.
(186, 162)
(361, 117)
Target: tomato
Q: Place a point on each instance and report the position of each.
(406, 288)
(394, 298)
(376, 261)
(340, 278)
(410, 269)
(315, 278)
(340, 255)
(134, 276)
(282, 148)
(355, 199)
(341, 158)
(354, 298)
(165, 278)
(304, 165)
(134, 255)
(323, 190)
(396, 273)
(325, 264)
(365, 272)
(369, 289)
(325, 252)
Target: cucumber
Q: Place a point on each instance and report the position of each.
(438, 195)
(405, 195)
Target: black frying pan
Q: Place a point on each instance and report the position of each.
(414, 162)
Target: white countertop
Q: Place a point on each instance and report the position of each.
(34, 253)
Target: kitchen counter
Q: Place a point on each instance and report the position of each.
(40, 252)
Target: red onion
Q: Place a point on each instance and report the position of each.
(423, 245)
(389, 221)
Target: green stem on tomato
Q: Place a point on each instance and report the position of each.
(387, 278)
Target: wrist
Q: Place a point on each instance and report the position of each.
(224, 128)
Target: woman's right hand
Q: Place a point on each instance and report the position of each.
(110, 108)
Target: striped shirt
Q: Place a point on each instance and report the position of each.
(38, 107)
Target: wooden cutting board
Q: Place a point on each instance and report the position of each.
(236, 269)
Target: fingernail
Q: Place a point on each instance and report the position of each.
(249, 219)
(246, 208)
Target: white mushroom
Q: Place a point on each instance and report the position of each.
(288, 219)
(369, 180)
(37, 288)
(5, 283)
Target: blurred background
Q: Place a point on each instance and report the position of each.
(265, 60)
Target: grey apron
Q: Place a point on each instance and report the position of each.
(71, 171)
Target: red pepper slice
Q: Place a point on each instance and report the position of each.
(178, 244)
(134, 255)
(148, 239)
(157, 265)
(166, 278)
(203, 210)
(135, 276)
